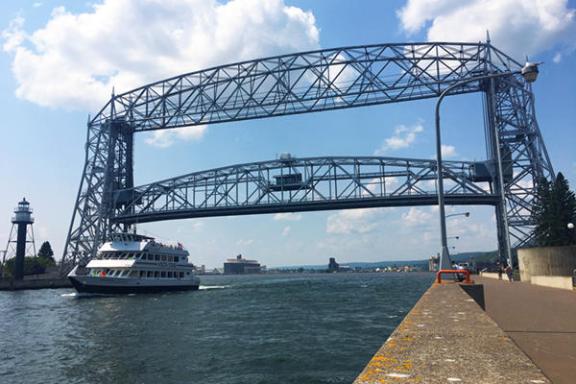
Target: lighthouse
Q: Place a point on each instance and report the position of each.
(22, 222)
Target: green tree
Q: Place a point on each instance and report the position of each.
(554, 208)
(32, 266)
(46, 252)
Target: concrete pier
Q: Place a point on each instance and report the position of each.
(47, 283)
(448, 338)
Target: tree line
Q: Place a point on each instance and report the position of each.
(555, 213)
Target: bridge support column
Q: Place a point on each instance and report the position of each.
(108, 167)
(493, 148)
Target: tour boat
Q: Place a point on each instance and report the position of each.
(131, 263)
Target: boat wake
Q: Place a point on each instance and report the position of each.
(207, 287)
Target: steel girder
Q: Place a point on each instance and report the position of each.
(307, 184)
(300, 83)
(305, 82)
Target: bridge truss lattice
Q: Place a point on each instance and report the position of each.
(108, 201)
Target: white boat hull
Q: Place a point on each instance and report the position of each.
(110, 285)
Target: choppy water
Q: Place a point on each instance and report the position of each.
(318, 328)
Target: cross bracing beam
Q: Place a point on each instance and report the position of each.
(305, 82)
(307, 184)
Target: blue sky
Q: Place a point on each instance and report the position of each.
(51, 48)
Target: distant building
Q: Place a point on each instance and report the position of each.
(241, 266)
(333, 266)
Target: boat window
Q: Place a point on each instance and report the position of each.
(156, 274)
(149, 274)
(163, 274)
(156, 257)
(170, 275)
(181, 274)
(176, 259)
(163, 258)
(187, 273)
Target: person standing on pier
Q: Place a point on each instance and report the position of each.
(509, 271)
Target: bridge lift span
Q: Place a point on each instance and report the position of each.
(108, 200)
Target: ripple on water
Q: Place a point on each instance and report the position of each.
(319, 328)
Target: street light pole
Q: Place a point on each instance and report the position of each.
(529, 72)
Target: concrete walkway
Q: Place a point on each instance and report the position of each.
(541, 321)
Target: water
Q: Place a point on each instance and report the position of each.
(317, 328)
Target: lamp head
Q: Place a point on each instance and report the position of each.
(570, 225)
(530, 72)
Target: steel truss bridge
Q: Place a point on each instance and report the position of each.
(108, 200)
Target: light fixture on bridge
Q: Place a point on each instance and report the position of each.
(530, 72)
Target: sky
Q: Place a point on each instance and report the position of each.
(60, 60)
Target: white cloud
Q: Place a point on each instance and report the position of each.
(286, 231)
(244, 242)
(557, 58)
(416, 216)
(165, 138)
(288, 216)
(378, 185)
(349, 221)
(76, 59)
(14, 35)
(517, 27)
(448, 151)
(404, 136)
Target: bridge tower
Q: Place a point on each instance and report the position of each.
(23, 244)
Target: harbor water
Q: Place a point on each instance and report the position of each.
(287, 328)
